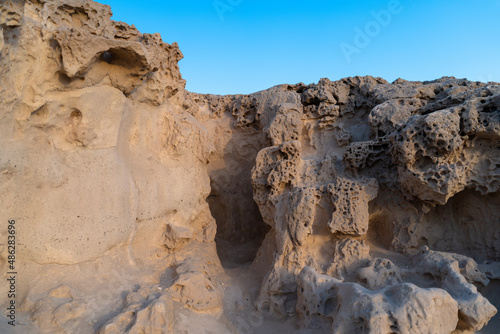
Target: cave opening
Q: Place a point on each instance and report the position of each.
(240, 227)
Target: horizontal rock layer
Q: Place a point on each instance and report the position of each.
(362, 205)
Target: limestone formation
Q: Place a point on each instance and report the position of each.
(349, 206)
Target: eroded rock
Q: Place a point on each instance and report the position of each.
(355, 205)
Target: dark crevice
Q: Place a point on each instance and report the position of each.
(240, 226)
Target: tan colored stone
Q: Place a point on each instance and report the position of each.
(348, 206)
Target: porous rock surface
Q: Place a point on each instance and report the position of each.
(352, 206)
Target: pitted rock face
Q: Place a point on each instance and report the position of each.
(354, 205)
(350, 202)
(86, 48)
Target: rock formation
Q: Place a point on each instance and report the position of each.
(350, 206)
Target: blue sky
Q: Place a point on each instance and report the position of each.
(243, 46)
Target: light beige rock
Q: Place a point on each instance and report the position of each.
(457, 274)
(350, 201)
(354, 309)
(380, 273)
(349, 206)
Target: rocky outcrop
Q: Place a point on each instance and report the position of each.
(94, 154)
(332, 203)
(354, 309)
(354, 205)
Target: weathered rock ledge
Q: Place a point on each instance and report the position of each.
(350, 206)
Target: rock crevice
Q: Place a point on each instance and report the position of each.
(355, 205)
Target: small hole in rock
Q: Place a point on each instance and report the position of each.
(107, 57)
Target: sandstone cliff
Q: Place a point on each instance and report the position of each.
(350, 206)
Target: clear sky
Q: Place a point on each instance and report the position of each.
(243, 46)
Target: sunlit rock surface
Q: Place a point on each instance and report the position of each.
(350, 206)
